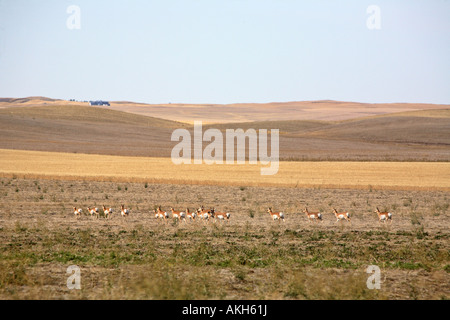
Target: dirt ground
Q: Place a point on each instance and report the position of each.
(250, 257)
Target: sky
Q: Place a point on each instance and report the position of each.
(227, 51)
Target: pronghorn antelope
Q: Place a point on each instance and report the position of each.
(178, 215)
(211, 214)
(93, 211)
(107, 211)
(276, 215)
(222, 216)
(124, 212)
(383, 216)
(159, 214)
(77, 212)
(190, 215)
(342, 215)
(202, 210)
(316, 216)
(204, 214)
(200, 213)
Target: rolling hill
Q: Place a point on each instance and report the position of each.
(84, 129)
(325, 110)
(413, 136)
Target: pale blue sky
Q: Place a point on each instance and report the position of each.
(210, 51)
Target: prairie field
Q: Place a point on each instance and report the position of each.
(248, 257)
(56, 156)
(337, 174)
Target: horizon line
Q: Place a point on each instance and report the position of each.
(213, 103)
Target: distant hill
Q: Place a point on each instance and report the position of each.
(326, 110)
(248, 112)
(431, 127)
(33, 101)
(416, 135)
(84, 129)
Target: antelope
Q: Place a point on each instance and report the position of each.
(158, 214)
(199, 214)
(210, 214)
(276, 215)
(178, 215)
(341, 215)
(202, 210)
(125, 212)
(222, 216)
(161, 214)
(383, 216)
(93, 211)
(77, 212)
(107, 212)
(316, 216)
(190, 215)
(204, 214)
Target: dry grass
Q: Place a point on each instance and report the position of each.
(249, 258)
(359, 175)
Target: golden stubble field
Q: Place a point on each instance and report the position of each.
(328, 174)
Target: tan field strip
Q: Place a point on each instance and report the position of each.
(327, 174)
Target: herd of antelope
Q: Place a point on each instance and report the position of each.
(340, 216)
(199, 214)
(207, 215)
(94, 212)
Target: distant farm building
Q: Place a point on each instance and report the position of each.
(99, 103)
